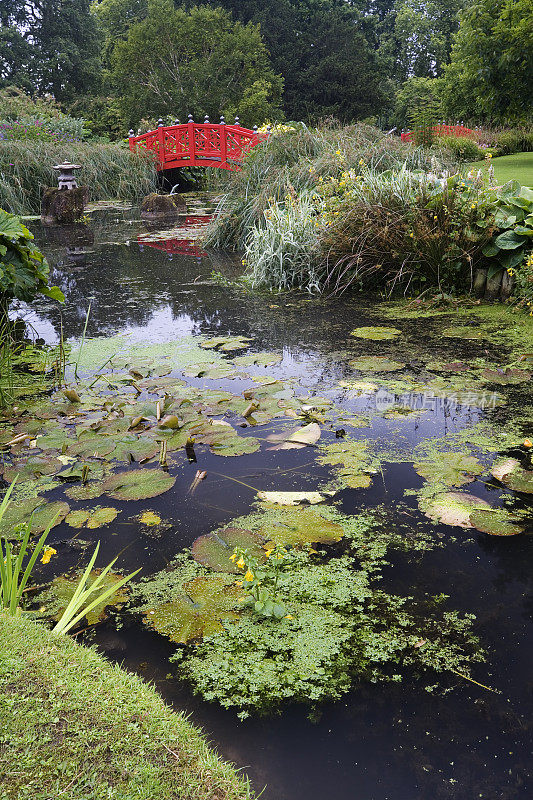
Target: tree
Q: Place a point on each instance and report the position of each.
(176, 62)
(490, 77)
(414, 94)
(49, 46)
(422, 36)
(324, 49)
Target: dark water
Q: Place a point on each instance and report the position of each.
(385, 742)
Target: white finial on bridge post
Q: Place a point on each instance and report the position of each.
(131, 133)
(222, 120)
(206, 119)
(255, 129)
(176, 121)
(160, 123)
(237, 121)
(190, 119)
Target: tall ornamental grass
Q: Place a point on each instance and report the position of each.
(109, 170)
(298, 159)
(282, 253)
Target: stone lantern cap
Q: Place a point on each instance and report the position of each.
(66, 179)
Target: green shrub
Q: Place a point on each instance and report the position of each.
(23, 268)
(462, 148)
(401, 230)
(109, 170)
(299, 158)
(514, 141)
(22, 117)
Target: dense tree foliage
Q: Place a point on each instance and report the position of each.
(204, 63)
(49, 46)
(490, 77)
(118, 61)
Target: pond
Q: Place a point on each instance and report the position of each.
(153, 294)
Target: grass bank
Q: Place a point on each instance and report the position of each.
(73, 725)
(517, 167)
(109, 170)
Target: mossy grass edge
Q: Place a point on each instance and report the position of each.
(98, 730)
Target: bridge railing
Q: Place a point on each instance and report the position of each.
(194, 144)
(441, 129)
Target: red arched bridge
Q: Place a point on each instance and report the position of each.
(193, 144)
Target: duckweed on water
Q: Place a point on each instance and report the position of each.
(340, 628)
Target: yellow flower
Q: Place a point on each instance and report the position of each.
(269, 552)
(249, 575)
(238, 583)
(528, 443)
(288, 616)
(233, 557)
(48, 552)
(241, 563)
(337, 152)
(361, 162)
(412, 235)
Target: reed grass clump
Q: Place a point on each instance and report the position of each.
(299, 159)
(282, 253)
(109, 170)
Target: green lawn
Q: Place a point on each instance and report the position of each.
(73, 726)
(518, 167)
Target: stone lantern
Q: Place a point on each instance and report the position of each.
(66, 179)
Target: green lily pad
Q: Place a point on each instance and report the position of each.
(206, 604)
(35, 509)
(231, 444)
(90, 491)
(452, 469)
(295, 527)
(58, 596)
(507, 376)
(453, 508)
(496, 521)
(376, 333)
(91, 517)
(258, 359)
(354, 463)
(375, 364)
(512, 475)
(138, 484)
(214, 550)
(464, 332)
(226, 343)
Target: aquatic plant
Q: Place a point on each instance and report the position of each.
(109, 170)
(296, 161)
(300, 625)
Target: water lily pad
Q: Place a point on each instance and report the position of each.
(62, 588)
(464, 332)
(507, 376)
(453, 508)
(258, 359)
(206, 604)
(138, 484)
(34, 509)
(496, 521)
(226, 343)
(296, 527)
(375, 364)
(512, 475)
(90, 491)
(452, 469)
(376, 333)
(294, 498)
(150, 518)
(215, 549)
(354, 464)
(299, 438)
(231, 444)
(91, 517)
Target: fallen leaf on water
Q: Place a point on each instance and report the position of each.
(294, 498)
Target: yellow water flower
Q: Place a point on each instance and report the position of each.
(149, 518)
(241, 563)
(249, 575)
(48, 552)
